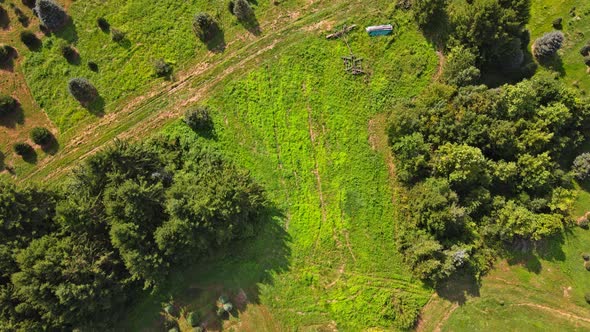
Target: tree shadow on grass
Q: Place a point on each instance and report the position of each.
(459, 288)
(554, 63)
(236, 271)
(8, 65)
(51, 147)
(252, 25)
(528, 253)
(96, 107)
(4, 19)
(68, 32)
(14, 117)
(217, 42)
(30, 156)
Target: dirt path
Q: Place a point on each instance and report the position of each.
(554, 311)
(441, 64)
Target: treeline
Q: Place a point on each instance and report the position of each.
(72, 257)
(484, 167)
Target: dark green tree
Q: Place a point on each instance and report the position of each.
(82, 90)
(41, 136)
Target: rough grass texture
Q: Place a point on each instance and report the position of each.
(300, 124)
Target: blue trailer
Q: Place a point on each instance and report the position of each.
(380, 30)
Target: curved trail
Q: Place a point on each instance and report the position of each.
(141, 115)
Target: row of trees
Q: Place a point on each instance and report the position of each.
(70, 257)
(486, 166)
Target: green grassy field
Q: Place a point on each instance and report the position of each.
(300, 124)
(154, 30)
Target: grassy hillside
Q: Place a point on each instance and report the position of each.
(301, 125)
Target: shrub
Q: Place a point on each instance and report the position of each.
(581, 166)
(5, 51)
(7, 104)
(29, 38)
(52, 15)
(41, 136)
(586, 257)
(198, 118)
(587, 297)
(192, 318)
(242, 10)
(22, 148)
(587, 60)
(68, 52)
(29, 3)
(557, 23)
(585, 51)
(82, 90)
(204, 26)
(103, 24)
(162, 68)
(584, 223)
(548, 45)
(92, 66)
(117, 35)
(587, 266)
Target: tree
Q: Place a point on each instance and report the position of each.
(162, 68)
(22, 148)
(5, 53)
(411, 155)
(103, 24)
(242, 10)
(52, 15)
(29, 39)
(198, 118)
(204, 26)
(428, 12)
(581, 166)
(461, 164)
(7, 104)
(82, 90)
(459, 68)
(547, 46)
(41, 135)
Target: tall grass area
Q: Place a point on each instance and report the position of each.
(153, 30)
(300, 125)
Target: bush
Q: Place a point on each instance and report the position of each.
(587, 60)
(242, 10)
(548, 45)
(22, 148)
(557, 23)
(117, 35)
(68, 52)
(587, 266)
(585, 51)
(92, 66)
(103, 24)
(587, 297)
(52, 15)
(29, 38)
(5, 55)
(198, 118)
(204, 26)
(41, 136)
(192, 318)
(162, 68)
(581, 166)
(7, 104)
(82, 90)
(586, 257)
(584, 223)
